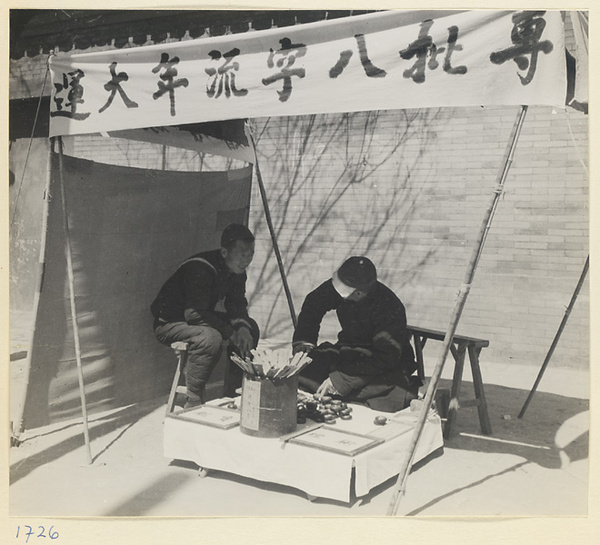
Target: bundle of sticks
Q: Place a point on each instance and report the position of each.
(272, 364)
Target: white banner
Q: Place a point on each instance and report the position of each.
(379, 61)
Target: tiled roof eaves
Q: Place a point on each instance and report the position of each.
(37, 32)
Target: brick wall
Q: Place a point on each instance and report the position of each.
(417, 215)
(409, 188)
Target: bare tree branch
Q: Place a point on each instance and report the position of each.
(311, 164)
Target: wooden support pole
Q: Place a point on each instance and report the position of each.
(400, 486)
(263, 196)
(563, 323)
(68, 251)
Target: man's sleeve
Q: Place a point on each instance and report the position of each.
(316, 304)
(236, 303)
(389, 336)
(389, 329)
(198, 283)
(345, 384)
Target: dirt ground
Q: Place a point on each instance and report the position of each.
(534, 466)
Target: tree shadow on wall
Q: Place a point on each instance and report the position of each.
(339, 184)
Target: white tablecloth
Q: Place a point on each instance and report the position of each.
(317, 472)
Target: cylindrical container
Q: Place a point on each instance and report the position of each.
(269, 408)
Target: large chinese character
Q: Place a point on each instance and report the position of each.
(370, 69)
(71, 80)
(114, 86)
(168, 83)
(452, 47)
(284, 59)
(525, 35)
(420, 49)
(424, 47)
(223, 77)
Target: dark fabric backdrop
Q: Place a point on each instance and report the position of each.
(129, 229)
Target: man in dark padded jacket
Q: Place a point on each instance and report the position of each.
(373, 360)
(203, 303)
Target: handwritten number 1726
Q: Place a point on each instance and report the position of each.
(30, 532)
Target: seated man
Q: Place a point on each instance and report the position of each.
(203, 303)
(373, 361)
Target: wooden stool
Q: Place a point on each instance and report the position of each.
(459, 350)
(181, 350)
(461, 345)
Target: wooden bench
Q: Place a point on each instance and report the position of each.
(460, 346)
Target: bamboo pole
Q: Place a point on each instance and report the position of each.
(68, 251)
(263, 196)
(400, 486)
(563, 323)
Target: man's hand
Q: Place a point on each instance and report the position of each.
(243, 341)
(302, 347)
(326, 387)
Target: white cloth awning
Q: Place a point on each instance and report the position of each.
(384, 60)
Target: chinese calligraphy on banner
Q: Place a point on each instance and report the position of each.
(384, 60)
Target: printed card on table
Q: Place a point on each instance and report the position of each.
(208, 415)
(339, 441)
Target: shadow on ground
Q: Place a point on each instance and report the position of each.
(124, 418)
(553, 431)
(153, 494)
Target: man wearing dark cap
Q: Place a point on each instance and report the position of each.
(203, 303)
(373, 360)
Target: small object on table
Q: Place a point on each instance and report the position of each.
(380, 420)
(416, 405)
(322, 408)
(335, 407)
